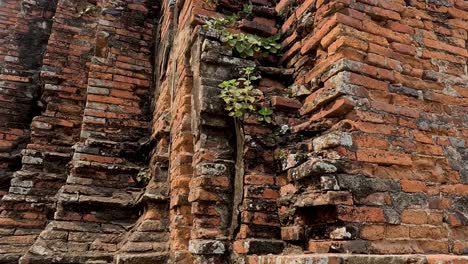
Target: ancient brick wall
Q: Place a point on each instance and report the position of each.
(385, 175)
(31, 195)
(23, 45)
(8, 13)
(117, 148)
(97, 205)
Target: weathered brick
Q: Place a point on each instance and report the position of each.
(364, 154)
(361, 214)
(373, 232)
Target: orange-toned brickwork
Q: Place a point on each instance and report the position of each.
(9, 11)
(25, 31)
(390, 77)
(116, 147)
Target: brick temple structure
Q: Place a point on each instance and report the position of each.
(116, 146)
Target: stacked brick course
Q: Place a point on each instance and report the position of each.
(8, 13)
(24, 39)
(20, 221)
(97, 203)
(364, 160)
(386, 172)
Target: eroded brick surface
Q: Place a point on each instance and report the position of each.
(25, 29)
(364, 160)
(383, 176)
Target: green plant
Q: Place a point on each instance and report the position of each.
(220, 23)
(281, 155)
(237, 94)
(271, 44)
(211, 3)
(265, 115)
(87, 10)
(247, 44)
(143, 177)
(247, 8)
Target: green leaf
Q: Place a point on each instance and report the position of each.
(265, 111)
(240, 48)
(238, 94)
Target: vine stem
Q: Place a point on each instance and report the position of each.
(238, 177)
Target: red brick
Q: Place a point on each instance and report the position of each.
(292, 233)
(361, 214)
(373, 232)
(410, 216)
(283, 102)
(396, 231)
(413, 186)
(337, 109)
(426, 231)
(446, 47)
(383, 157)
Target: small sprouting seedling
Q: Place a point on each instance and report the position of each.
(212, 3)
(265, 115)
(281, 155)
(143, 177)
(237, 94)
(247, 8)
(88, 9)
